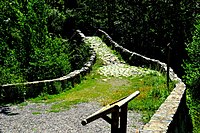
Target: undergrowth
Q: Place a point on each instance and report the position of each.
(194, 110)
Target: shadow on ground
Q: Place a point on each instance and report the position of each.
(6, 111)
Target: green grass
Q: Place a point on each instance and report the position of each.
(36, 113)
(106, 90)
(23, 104)
(118, 55)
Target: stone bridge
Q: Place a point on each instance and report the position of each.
(172, 116)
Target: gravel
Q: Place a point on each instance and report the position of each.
(35, 118)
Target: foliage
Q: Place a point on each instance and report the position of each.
(28, 51)
(9, 71)
(51, 61)
(192, 76)
(60, 23)
(62, 5)
(192, 64)
(79, 54)
(194, 110)
(23, 29)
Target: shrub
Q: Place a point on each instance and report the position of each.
(28, 52)
(192, 64)
(50, 61)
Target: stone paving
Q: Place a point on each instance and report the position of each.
(112, 65)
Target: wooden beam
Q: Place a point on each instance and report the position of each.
(107, 119)
(123, 118)
(102, 112)
(114, 109)
(128, 99)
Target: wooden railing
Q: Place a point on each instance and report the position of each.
(118, 112)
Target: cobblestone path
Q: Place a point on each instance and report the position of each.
(112, 65)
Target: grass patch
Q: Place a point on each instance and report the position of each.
(23, 104)
(36, 113)
(117, 54)
(106, 90)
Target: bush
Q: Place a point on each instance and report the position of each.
(192, 77)
(79, 54)
(192, 64)
(28, 52)
(50, 61)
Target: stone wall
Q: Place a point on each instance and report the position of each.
(57, 84)
(172, 116)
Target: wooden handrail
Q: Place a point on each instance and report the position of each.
(103, 111)
(113, 108)
(127, 99)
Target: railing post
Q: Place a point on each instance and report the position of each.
(123, 118)
(168, 64)
(115, 121)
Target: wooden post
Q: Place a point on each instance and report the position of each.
(168, 64)
(115, 121)
(123, 118)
